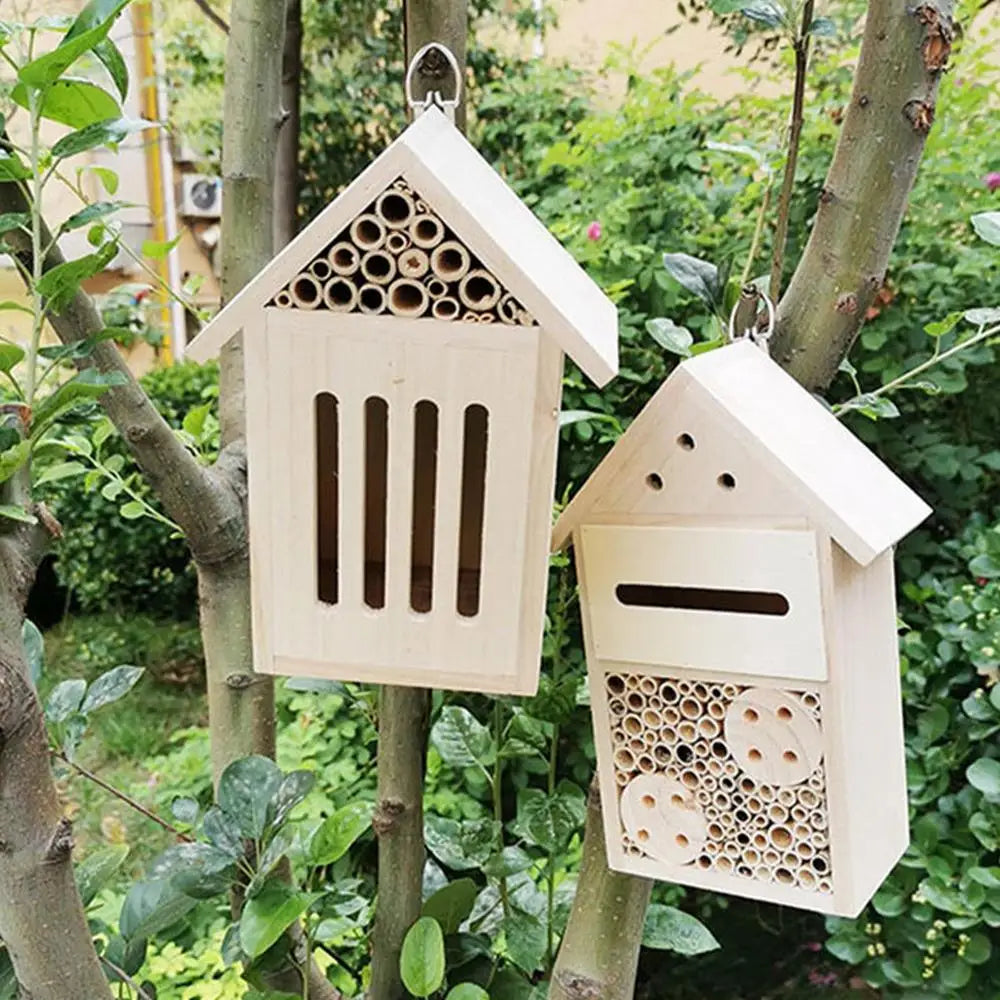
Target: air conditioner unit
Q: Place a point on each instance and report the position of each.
(201, 196)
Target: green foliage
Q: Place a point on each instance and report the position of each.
(422, 961)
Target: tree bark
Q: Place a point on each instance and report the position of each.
(286, 167)
(903, 53)
(599, 954)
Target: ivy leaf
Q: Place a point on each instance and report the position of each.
(73, 102)
(671, 929)
(460, 844)
(421, 961)
(462, 740)
(700, 277)
(151, 907)
(109, 132)
(335, 835)
(59, 284)
(269, 914)
(524, 936)
(670, 336)
(246, 789)
(111, 686)
(65, 699)
(984, 774)
(450, 905)
(987, 227)
(549, 821)
(34, 650)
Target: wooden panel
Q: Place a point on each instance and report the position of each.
(782, 563)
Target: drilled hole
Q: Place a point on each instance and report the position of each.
(686, 442)
(784, 713)
(727, 481)
(648, 801)
(654, 481)
(680, 840)
(642, 836)
(754, 754)
(750, 715)
(790, 757)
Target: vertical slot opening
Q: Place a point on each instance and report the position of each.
(425, 454)
(327, 513)
(470, 536)
(376, 484)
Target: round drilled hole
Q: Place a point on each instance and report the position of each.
(648, 801)
(754, 755)
(642, 836)
(680, 840)
(790, 757)
(750, 715)
(686, 442)
(727, 481)
(654, 481)
(784, 713)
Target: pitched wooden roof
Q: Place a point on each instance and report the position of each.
(841, 485)
(476, 203)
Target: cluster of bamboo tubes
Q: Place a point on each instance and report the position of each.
(673, 730)
(398, 257)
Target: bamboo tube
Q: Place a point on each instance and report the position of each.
(651, 717)
(646, 764)
(636, 745)
(715, 768)
(700, 691)
(687, 731)
(437, 289)
(701, 749)
(724, 864)
(445, 308)
(484, 317)
(408, 298)
(649, 737)
(704, 862)
(632, 682)
(662, 754)
(762, 873)
(817, 782)
(367, 232)
(426, 231)
(810, 700)
(819, 840)
(344, 258)
(790, 860)
(780, 837)
(320, 268)
(690, 708)
(759, 840)
(743, 839)
(668, 733)
(371, 299)
(817, 819)
(671, 716)
(704, 799)
(786, 796)
(731, 850)
(378, 267)
(707, 781)
(755, 805)
(722, 801)
(395, 209)
(751, 856)
(715, 831)
(717, 710)
(648, 686)
(712, 814)
(684, 753)
(720, 750)
(655, 703)
(808, 798)
(765, 793)
(420, 205)
(748, 785)
(305, 291)
(396, 242)
(635, 700)
(806, 879)
(825, 886)
(741, 816)
(340, 295)
(744, 871)
(614, 684)
(413, 263)
(616, 707)
(802, 832)
(708, 728)
(283, 300)
(622, 778)
(683, 688)
(715, 692)
(700, 767)
(729, 766)
(689, 779)
(508, 310)
(624, 759)
(730, 691)
(450, 261)
(799, 813)
(783, 876)
(669, 692)
(632, 725)
(770, 857)
(777, 813)
(760, 821)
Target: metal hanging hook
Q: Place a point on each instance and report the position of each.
(434, 98)
(752, 330)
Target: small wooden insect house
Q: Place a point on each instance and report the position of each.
(734, 553)
(403, 360)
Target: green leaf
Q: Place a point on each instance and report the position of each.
(97, 868)
(421, 961)
(671, 929)
(65, 699)
(185, 810)
(62, 470)
(114, 63)
(132, 510)
(151, 907)
(848, 949)
(246, 789)
(982, 317)
(987, 227)
(13, 458)
(294, 787)
(85, 386)
(72, 102)
(269, 914)
(984, 774)
(549, 821)
(60, 283)
(450, 905)
(156, 251)
(107, 177)
(47, 68)
(109, 132)
(943, 326)
(510, 861)
(34, 650)
(933, 723)
(335, 835)
(198, 870)
(467, 991)
(14, 513)
(460, 844)
(223, 831)
(978, 949)
(954, 972)
(10, 355)
(111, 686)
(700, 277)
(14, 220)
(8, 304)
(670, 336)
(11, 168)
(462, 740)
(525, 940)
(764, 12)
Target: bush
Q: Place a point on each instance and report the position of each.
(109, 564)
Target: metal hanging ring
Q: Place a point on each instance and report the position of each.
(434, 98)
(756, 336)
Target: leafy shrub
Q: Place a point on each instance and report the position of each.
(117, 565)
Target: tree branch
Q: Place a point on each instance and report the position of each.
(209, 11)
(903, 52)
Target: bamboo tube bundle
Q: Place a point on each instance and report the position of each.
(396, 241)
(378, 267)
(344, 258)
(371, 298)
(340, 295)
(283, 300)
(408, 298)
(367, 232)
(320, 268)
(395, 208)
(305, 291)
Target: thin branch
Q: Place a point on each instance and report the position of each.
(209, 12)
(141, 994)
(118, 794)
(791, 162)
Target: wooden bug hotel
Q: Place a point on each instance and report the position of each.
(734, 554)
(403, 360)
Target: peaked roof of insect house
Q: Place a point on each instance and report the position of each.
(485, 214)
(795, 459)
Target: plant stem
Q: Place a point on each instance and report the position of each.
(118, 794)
(758, 233)
(550, 946)
(498, 798)
(37, 261)
(801, 48)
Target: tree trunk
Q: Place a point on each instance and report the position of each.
(598, 956)
(286, 165)
(404, 712)
(903, 52)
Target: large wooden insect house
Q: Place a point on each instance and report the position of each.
(734, 553)
(403, 361)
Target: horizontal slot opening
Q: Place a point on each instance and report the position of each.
(740, 602)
